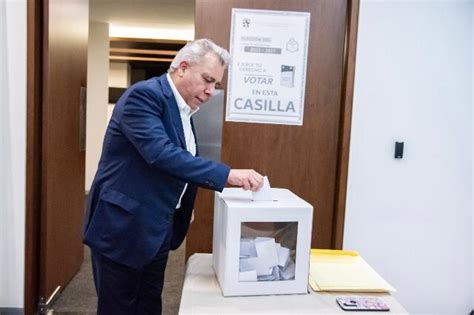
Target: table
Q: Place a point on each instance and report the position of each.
(202, 295)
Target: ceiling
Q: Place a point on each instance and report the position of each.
(175, 14)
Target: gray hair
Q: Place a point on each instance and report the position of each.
(194, 51)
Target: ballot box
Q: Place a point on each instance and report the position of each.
(261, 247)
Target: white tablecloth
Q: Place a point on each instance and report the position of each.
(202, 295)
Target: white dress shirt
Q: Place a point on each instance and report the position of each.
(185, 112)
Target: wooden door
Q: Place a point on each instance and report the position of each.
(57, 68)
(311, 160)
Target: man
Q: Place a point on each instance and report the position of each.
(141, 201)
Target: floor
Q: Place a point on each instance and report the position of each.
(79, 296)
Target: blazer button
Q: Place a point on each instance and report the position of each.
(170, 217)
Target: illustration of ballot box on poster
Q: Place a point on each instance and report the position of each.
(287, 76)
(261, 247)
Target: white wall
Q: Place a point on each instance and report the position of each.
(97, 95)
(101, 74)
(12, 151)
(411, 219)
(119, 74)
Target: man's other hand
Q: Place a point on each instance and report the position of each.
(247, 179)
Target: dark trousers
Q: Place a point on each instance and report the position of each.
(124, 290)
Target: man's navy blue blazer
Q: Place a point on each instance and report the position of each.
(141, 174)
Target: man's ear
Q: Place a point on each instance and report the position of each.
(183, 66)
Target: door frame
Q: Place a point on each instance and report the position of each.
(346, 122)
(33, 154)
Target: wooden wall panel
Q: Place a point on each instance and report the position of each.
(305, 159)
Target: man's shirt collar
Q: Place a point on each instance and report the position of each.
(183, 107)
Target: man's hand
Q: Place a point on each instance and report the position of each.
(247, 179)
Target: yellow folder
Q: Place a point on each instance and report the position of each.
(342, 270)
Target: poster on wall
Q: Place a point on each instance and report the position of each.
(267, 72)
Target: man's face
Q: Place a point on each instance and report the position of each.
(196, 82)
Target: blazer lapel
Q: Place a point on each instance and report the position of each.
(174, 111)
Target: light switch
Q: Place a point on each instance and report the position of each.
(399, 150)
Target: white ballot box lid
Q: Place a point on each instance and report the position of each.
(282, 198)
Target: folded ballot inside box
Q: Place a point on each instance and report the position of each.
(261, 245)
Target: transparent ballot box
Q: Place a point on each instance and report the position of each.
(261, 247)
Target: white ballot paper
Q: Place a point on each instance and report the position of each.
(266, 251)
(265, 193)
(283, 255)
(247, 248)
(248, 276)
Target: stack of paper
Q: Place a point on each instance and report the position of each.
(339, 270)
(262, 259)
